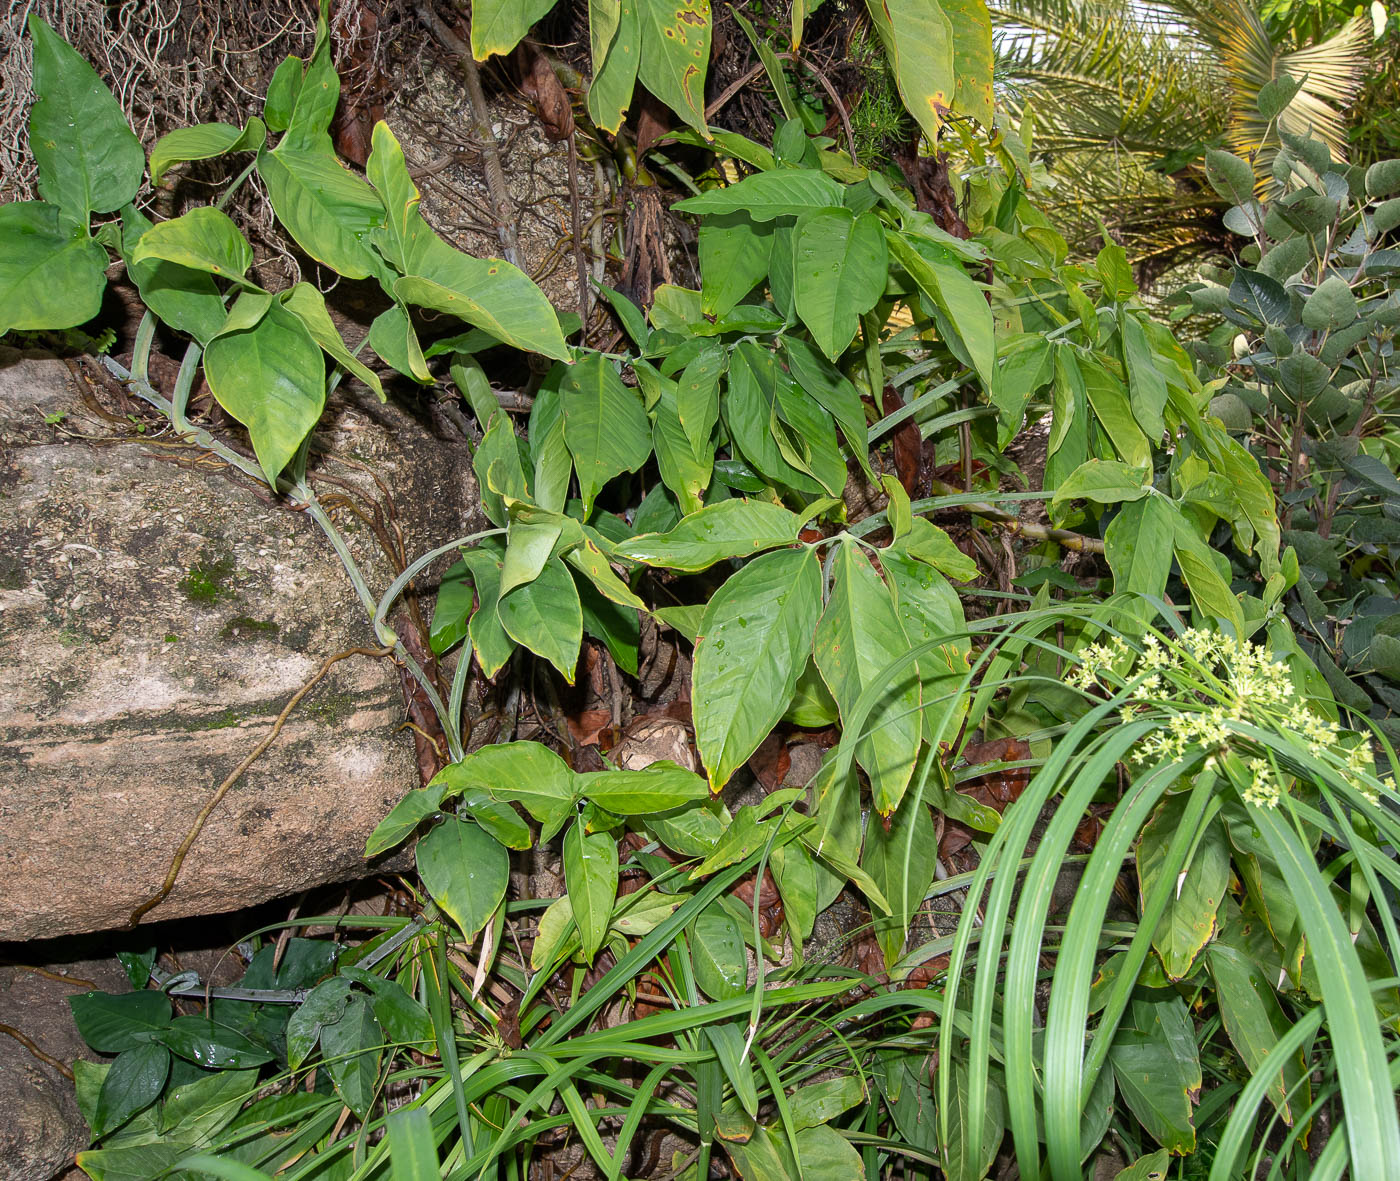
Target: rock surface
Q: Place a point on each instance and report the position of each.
(156, 614)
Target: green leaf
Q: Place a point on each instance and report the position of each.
(492, 645)
(487, 292)
(930, 544)
(1026, 366)
(1145, 382)
(324, 1005)
(404, 1021)
(452, 608)
(839, 269)
(734, 254)
(1108, 398)
(900, 860)
(697, 395)
(604, 425)
(546, 617)
(282, 92)
(1152, 1167)
(111, 1023)
(185, 299)
(1254, 1020)
(818, 1103)
(615, 36)
(766, 195)
(590, 876)
(675, 54)
(309, 306)
(525, 773)
(819, 379)
(88, 159)
(959, 299)
(753, 643)
(918, 38)
(213, 1045)
(685, 469)
(466, 870)
(1230, 176)
(929, 609)
(500, 820)
(328, 210)
(413, 1153)
(498, 470)
(49, 277)
(729, 529)
(313, 107)
(404, 817)
(1189, 922)
(1158, 1070)
(391, 335)
(1104, 481)
(751, 415)
(982, 1150)
(717, 954)
(858, 635)
(204, 239)
(210, 1103)
(1331, 306)
(204, 141)
(1138, 545)
(971, 26)
(351, 1049)
(1209, 587)
(806, 435)
(270, 376)
(660, 787)
(135, 1081)
(499, 25)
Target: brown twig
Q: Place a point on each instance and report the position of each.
(502, 206)
(734, 87)
(38, 1053)
(178, 861)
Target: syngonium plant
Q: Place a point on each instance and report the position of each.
(1310, 313)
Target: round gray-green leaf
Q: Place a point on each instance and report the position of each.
(465, 870)
(1230, 176)
(1331, 306)
(753, 643)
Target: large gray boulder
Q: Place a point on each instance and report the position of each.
(156, 613)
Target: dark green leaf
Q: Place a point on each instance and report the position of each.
(111, 1023)
(465, 870)
(135, 1081)
(350, 1049)
(590, 876)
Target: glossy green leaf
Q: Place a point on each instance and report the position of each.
(499, 25)
(493, 647)
(282, 92)
(525, 773)
(1209, 586)
(186, 299)
(113, 1022)
(729, 529)
(657, 788)
(546, 617)
(88, 159)
(615, 35)
(1254, 1020)
(1156, 1063)
(1147, 386)
(1138, 545)
(487, 292)
(271, 377)
(135, 1081)
(392, 336)
(1189, 922)
(204, 141)
(806, 434)
(753, 643)
(351, 1049)
(685, 469)
(859, 634)
(1025, 367)
(499, 472)
(604, 425)
(697, 395)
(324, 1005)
(929, 609)
(1104, 481)
(752, 417)
(49, 276)
(818, 378)
(918, 37)
(207, 1104)
(315, 100)
(930, 544)
(734, 254)
(900, 860)
(465, 869)
(328, 210)
(766, 195)
(590, 875)
(404, 817)
(959, 299)
(204, 239)
(820, 1103)
(839, 267)
(1116, 412)
(718, 955)
(675, 54)
(213, 1044)
(309, 306)
(971, 27)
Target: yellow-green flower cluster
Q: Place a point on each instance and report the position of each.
(1204, 682)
